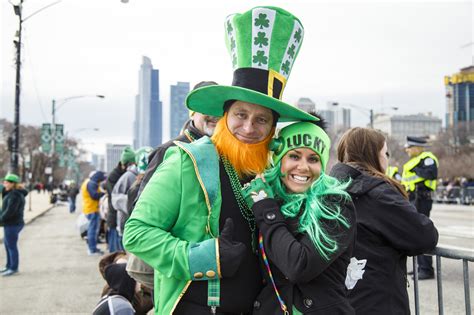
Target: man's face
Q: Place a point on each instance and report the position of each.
(250, 123)
(413, 151)
(204, 123)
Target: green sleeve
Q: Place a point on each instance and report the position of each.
(147, 231)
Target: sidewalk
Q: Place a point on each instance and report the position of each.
(39, 206)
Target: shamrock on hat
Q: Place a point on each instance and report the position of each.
(263, 44)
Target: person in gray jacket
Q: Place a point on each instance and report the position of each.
(119, 199)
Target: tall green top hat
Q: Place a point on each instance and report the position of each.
(263, 44)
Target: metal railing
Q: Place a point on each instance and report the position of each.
(455, 195)
(449, 252)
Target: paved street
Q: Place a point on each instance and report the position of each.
(58, 277)
(456, 227)
(56, 274)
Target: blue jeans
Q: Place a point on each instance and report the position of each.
(11, 245)
(72, 204)
(93, 231)
(115, 241)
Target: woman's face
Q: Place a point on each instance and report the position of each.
(383, 157)
(301, 168)
(8, 185)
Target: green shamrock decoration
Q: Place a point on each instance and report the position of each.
(262, 21)
(260, 58)
(229, 27)
(291, 51)
(298, 35)
(234, 60)
(286, 67)
(232, 43)
(260, 40)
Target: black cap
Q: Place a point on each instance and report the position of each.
(416, 142)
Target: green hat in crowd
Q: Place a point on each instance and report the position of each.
(302, 135)
(263, 44)
(12, 178)
(128, 155)
(141, 158)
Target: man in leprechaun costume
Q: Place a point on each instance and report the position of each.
(191, 223)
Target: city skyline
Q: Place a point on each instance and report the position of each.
(383, 54)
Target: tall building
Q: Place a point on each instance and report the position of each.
(460, 100)
(112, 155)
(147, 126)
(306, 104)
(98, 160)
(338, 118)
(401, 126)
(179, 112)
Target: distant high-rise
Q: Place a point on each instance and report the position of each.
(98, 161)
(337, 117)
(147, 127)
(179, 112)
(112, 155)
(306, 104)
(460, 100)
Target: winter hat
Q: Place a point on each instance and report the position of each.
(128, 155)
(119, 281)
(13, 178)
(263, 44)
(141, 158)
(302, 135)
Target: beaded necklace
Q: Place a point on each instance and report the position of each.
(283, 306)
(243, 207)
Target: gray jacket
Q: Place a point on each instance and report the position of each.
(120, 198)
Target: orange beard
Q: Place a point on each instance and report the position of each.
(247, 159)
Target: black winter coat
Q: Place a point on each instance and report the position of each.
(13, 207)
(389, 229)
(303, 277)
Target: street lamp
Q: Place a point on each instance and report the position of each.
(55, 108)
(367, 111)
(15, 139)
(56, 105)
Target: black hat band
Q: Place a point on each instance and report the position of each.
(264, 81)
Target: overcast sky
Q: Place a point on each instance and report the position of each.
(374, 54)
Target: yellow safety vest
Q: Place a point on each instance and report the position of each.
(391, 171)
(410, 178)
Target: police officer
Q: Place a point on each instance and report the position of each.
(419, 178)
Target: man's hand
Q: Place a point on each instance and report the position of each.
(231, 252)
(256, 190)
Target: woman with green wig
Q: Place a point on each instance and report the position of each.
(306, 224)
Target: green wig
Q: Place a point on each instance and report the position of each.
(320, 202)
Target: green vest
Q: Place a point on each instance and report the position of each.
(410, 178)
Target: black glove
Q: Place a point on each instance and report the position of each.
(231, 253)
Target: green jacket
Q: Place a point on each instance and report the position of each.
(176, 209)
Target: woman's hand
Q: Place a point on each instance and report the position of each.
(256, 190)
